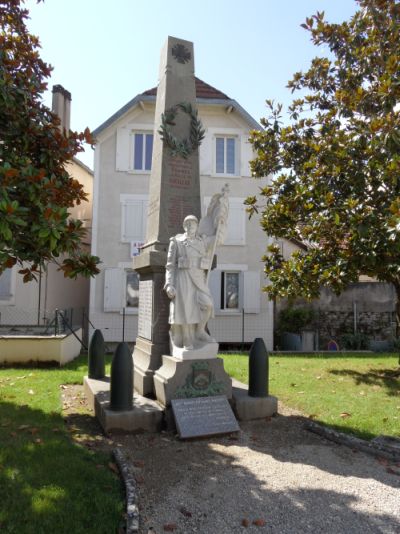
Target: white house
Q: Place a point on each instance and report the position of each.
(35, 302)
(122, 170)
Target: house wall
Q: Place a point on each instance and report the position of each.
(111, 183)
(56, 291)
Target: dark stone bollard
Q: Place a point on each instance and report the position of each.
(121, 387)
(96, 361)
(258, 369)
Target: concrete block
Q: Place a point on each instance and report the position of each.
(146, 415)
(249, 408)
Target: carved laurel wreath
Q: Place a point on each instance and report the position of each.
(186, 146)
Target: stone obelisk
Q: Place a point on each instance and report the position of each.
(174, 194)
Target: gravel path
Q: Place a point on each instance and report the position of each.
(274, 473)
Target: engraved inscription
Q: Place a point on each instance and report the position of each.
(203, 416)
(145, 309)
(181, 173)
(179, 207)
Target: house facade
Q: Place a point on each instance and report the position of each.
(123, 158)
(35, 302)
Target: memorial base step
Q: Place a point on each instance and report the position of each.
(146, 416)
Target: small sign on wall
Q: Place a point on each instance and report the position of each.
(135, 248)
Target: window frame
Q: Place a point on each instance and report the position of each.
(222, 303)
(226, 137)
(145, 132)
(10, 301)
(130, 310)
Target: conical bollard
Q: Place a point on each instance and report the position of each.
(96, 361)
(258, 369)
(121, 387)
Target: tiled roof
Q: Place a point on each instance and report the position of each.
(203, 90)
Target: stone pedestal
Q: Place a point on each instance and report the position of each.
(249, 408)
(146, 415)
(153, 339)
(179, 379)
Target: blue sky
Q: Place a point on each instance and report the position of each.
(106, 52)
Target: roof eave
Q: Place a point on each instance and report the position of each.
(205, 101)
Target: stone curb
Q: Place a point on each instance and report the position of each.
(368, 447)
(131, 492)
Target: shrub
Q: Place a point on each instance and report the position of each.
(295, 319)
(357, 341)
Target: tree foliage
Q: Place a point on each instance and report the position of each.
(336, 163)
(36, 191)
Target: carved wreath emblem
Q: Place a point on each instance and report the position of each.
(181, 53)
(186, 146)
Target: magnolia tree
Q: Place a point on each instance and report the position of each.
(36, 191)
(336, 162)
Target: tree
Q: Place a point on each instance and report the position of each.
(36, 191)
(336, 164)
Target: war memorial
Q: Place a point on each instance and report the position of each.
(174, 377)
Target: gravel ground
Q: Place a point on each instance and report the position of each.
(274, 476)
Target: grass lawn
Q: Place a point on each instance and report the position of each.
(352, 393)
(47, 482)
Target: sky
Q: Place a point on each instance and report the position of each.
(106, 52)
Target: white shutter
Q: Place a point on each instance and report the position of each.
(246, 154)
(206, 155)
(134, 220)
(123, 151)
(113, 286)
(251, 291)
(236, 234)
(214, 283)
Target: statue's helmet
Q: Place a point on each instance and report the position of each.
(190, 218)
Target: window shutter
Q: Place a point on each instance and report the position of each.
(251, 291)
(123, 149)
(214, 283)
(134, 220)
(236, 234)
(206, 155)
(245, 156)
(113, 280)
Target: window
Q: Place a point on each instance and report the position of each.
(142, 151)
(234, 288)
(133, 217)
(229, 291)
(121, 289)
(7, 281)
(225, 155)
(131, 289)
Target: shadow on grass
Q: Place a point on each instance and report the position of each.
(386, 378)
(49, 484)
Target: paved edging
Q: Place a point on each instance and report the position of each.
(131, 492)
(369, 447)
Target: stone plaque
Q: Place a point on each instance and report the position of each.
(145, 308)
(203, 416)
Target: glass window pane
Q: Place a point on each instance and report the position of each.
(220, 149)
(230, 156)
(5, 284)
(132, 289)
(138, 150)
(149, 151)
(232, 290)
